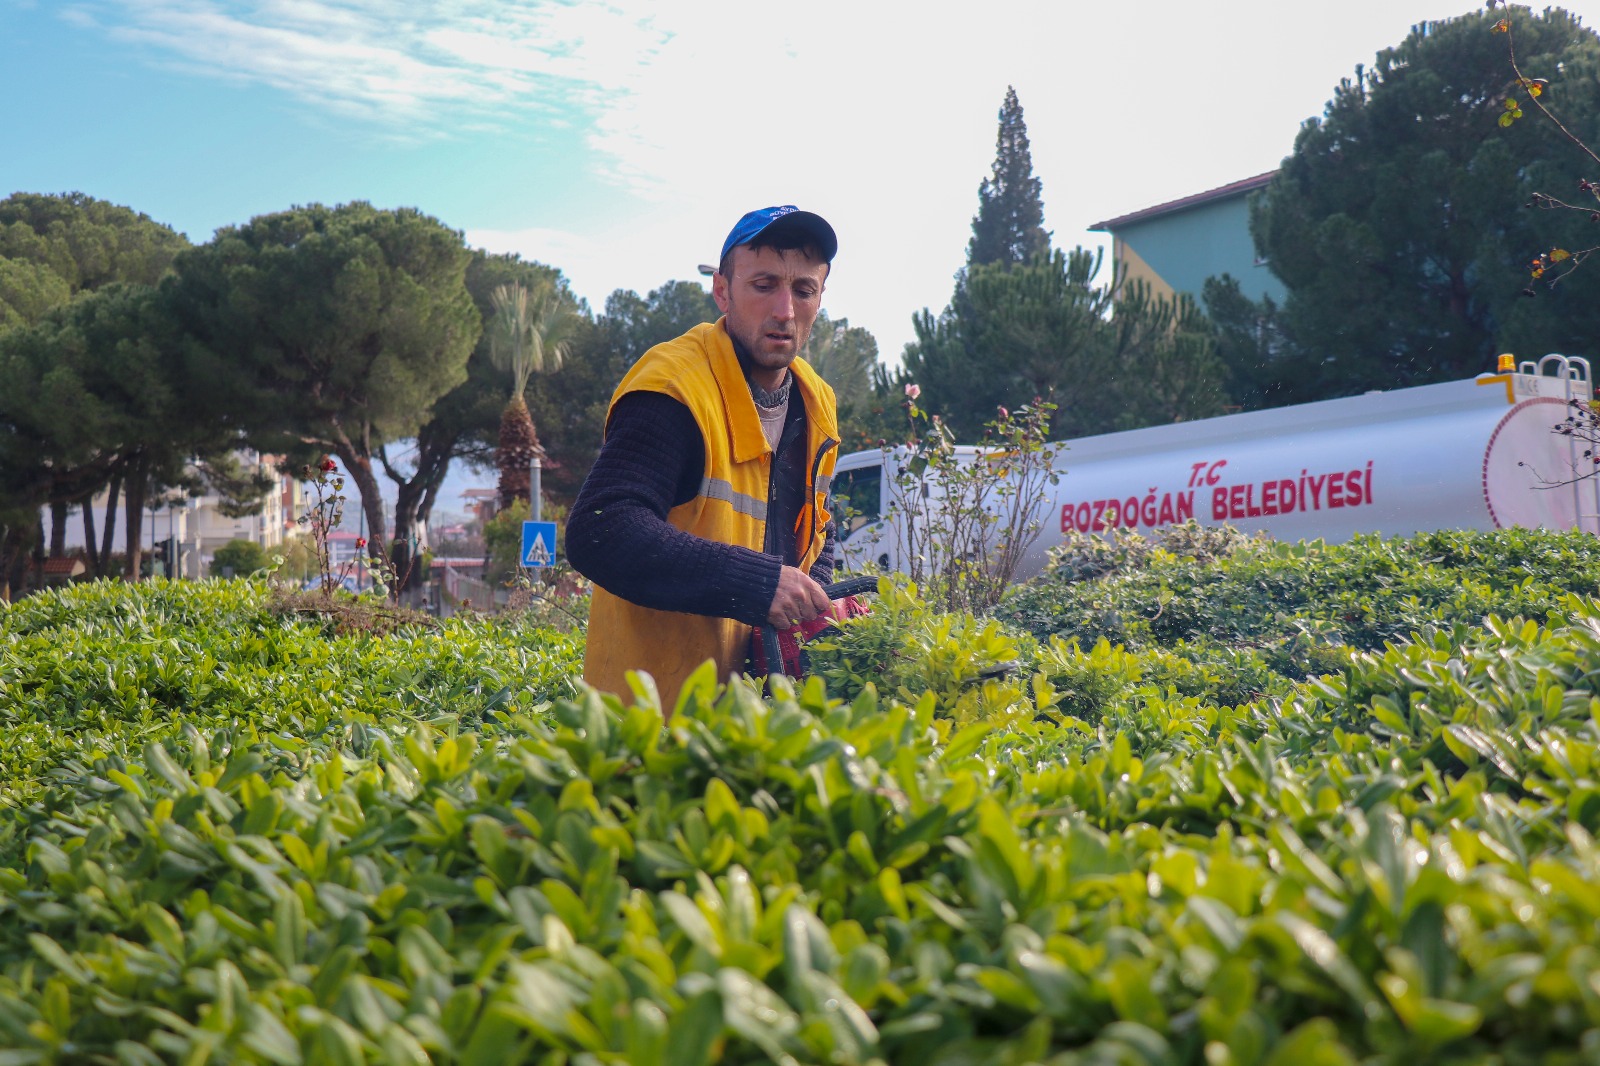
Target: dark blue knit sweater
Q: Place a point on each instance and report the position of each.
(653, 460)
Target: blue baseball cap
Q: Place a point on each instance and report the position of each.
(815, 229)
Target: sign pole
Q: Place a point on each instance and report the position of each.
(535, 489)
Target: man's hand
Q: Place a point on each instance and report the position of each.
(798, 599)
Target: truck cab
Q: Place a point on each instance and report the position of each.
(859, 493)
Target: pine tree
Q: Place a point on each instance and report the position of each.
(1395, 225)
(1009, 225)
(326, 327)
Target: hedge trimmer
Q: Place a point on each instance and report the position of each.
(774, 652)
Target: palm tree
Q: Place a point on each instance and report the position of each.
(528, 334)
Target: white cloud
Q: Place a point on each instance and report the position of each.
(401, 63)
(880, 115)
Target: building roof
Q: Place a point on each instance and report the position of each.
(69, 566)
(1222, 192)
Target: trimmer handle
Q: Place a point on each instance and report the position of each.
(851, 586)
(838, 590)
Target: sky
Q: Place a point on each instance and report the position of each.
(619, 140)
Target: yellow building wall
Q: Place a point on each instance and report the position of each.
(1134, 267)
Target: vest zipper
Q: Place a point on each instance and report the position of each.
(772, 547)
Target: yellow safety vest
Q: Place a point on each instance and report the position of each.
(701, 371)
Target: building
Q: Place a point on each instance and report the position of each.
(482, 504)
(197, 524)
(54, 572)
(268, 527)
(346, 548)
(1174, 247)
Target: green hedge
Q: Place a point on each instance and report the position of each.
(107, 667)
(1191, 583)
(1229, 618)
(298, 847)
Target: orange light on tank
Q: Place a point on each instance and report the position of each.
(1506, 364)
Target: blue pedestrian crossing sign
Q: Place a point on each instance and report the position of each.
(538, 543)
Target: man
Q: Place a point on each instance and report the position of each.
(706, 511)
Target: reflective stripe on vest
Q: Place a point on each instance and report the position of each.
(713, 488)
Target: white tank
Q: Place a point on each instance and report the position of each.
(1475, 454)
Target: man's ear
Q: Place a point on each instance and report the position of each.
(719, 291)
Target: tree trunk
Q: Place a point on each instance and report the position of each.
(58, 529)
(16, 542)
(38, 556)
(425, 509)
(519, 443)
(415, 495)
(91, 542)
(359, 467)
(429, 497)
(403, 554)
(10, 572)
(108, 536)
(138, 480)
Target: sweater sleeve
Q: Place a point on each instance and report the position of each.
(822, 569)
(618, 535)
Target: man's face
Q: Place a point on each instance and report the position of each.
(771, 301)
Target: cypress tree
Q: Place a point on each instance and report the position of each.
(1009, 225)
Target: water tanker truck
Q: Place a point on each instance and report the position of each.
(1475, 454)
